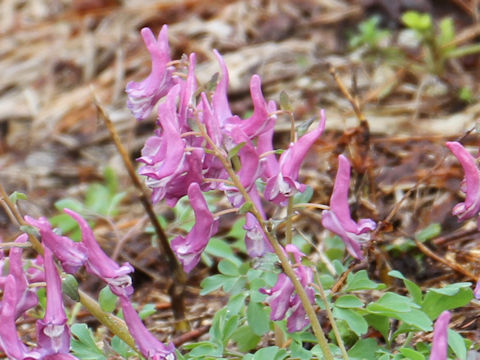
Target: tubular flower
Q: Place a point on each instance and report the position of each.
(72, 255)
(471, 206)
(189, 249)
(282, 297)
(338, 219)
(164, 154)
(284, 184)
(148, 345)
(9, 341)
(53, 334)
(440, 337)
(143, 96)
(100, 264)
(26, 298)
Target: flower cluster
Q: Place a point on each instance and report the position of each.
(282, 296)
(178, 161)
(471, 186)
(53, 333)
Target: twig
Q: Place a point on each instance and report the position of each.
(453, 266)
(177, 286)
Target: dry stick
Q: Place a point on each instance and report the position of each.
(287, 268)
(453, 266)
(116, 325)
(177, 287)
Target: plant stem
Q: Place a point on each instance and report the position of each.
(177, 286)
(333, 323)
(287, 268)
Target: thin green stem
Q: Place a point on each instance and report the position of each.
(333, 323)
(287, 268)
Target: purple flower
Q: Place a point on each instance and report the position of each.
(255, 240)
(53, 334)
(440, 337)
(9, 341)
(99, 264)
(26, 298)
(338, 219)
(282, 297)
(189, 249)
(72, 255)
(476, 292)
(148, 345)
(164, 154)
(284, 184)
(471, 206)
(143, 96)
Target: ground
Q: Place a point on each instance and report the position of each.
(56, 55)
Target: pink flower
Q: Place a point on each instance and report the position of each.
(148, 345)
(284, 184)
(440, 337)
(10, 343)
(53, 334)
(101, 265)
(282, 296)
(143, 96)
(471, 206)
(26, 298)
(338, 219)
(189, 249)
(72, 255)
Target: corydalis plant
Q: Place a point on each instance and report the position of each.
(194, 126)
(53, 335)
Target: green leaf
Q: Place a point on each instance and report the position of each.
(15, 196)
(220, 248)
(354, 320)
(298, 351)
(380, 323)
(303, 197)
(411, 354)
(227, 267)
(457, 344)
(430, 232)
(216, 330)
(450, 297)
(147, 310)
(107, 299)
(97, 198)
(413, 289)
(245, 338)
(360, 281)
(70, 287)
(267, 353)
(246, 207)
(416, 21)
(204, 349)
(447, 31)
(83, 344)
(236, 303)
(285, 103)
(364, 349)
(234, 152)
(349, 301)
(121, 348)
(258, 318)
(213, 283)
